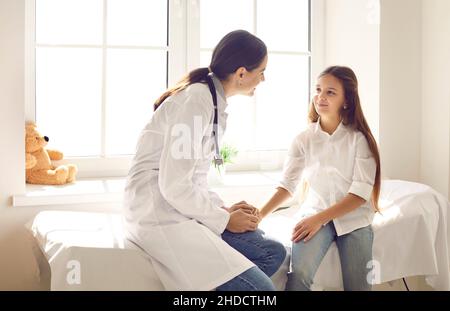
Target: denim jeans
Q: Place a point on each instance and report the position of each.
(252, 279)
(267, 254)
(355, 251)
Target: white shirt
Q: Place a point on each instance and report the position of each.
(333, 165)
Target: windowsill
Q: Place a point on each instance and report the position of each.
(110, 190)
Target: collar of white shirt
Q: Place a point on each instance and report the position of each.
(340, 131)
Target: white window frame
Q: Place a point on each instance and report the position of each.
(184, 55)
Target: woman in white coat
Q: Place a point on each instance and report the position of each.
(194, 241)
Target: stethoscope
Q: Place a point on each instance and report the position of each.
(217, 157)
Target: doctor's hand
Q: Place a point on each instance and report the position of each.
(240, 222)
(250, 209)
(307, 228)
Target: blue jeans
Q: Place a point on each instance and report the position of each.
(252, 279)
(267, 254)
(355, 251)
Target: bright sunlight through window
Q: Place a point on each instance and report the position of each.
(100, 65)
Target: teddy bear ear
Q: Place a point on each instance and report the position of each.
(30, 126)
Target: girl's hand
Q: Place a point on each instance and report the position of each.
(307, 228)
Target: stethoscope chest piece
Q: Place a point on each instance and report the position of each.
(218, 161)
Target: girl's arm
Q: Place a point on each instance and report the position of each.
(293, 167)
(349, 203)
(274, 202)
(309, 226)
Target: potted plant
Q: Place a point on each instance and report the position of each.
(217, 172)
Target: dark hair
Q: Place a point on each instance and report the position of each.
(237, 49)
(354, 117)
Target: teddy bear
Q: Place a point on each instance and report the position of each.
(30, 161)
(39, 168)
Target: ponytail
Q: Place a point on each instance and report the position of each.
(195, 76)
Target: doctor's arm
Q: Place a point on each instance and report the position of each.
(180, 157)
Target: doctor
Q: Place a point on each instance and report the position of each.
(195, 242)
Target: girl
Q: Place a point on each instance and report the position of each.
(170, 213)
(338, 158)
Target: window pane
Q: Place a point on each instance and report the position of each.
(135, 79)
(137, 22)
(240, 131)
(69, 21)
(219, 17)
(282, 101)
(205, 58)
(68, 98)
(283, 24)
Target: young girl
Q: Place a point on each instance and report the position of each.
(338, 158)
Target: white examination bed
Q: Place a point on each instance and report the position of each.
(87, 251)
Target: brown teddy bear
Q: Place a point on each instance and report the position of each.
(39, 168)
(30, 161)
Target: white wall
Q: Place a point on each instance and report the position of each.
(17, 267)
(318, 28)
(435, 162)
(400, 88)
(11, 98)
(402, 64)
(352, 39)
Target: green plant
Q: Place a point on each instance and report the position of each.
(227, 153)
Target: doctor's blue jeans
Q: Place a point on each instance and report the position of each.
(355, 252)
(266, 253)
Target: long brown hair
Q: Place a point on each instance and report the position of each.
(353, 116)
(237, 49)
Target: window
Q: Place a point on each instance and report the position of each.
(96, 67)
(270, 119)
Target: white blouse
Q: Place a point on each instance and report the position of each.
(332, 165)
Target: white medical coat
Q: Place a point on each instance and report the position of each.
(168, 209)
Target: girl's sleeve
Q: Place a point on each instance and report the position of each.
(364, 170)
(293, 166)
(176, 168)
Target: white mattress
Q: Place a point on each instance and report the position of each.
(87, 251)
(93, 246)
(411, 237)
